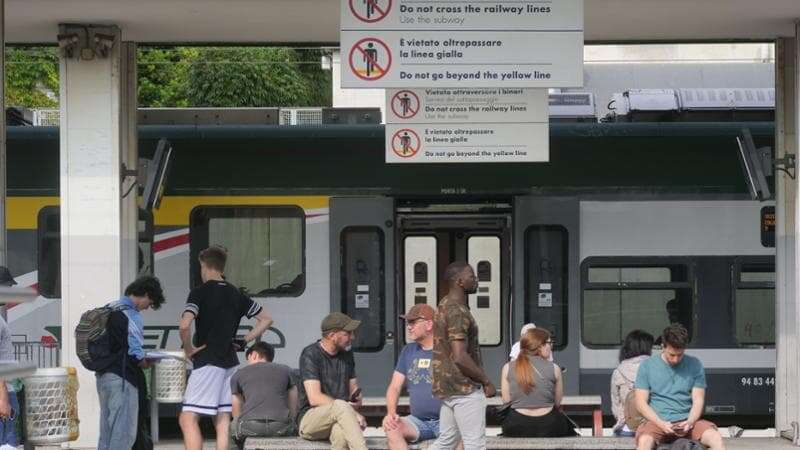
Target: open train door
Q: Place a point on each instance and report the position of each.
(546, 278)
(362, 282)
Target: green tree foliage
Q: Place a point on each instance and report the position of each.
(31, 77)
(163, 75)
(247, 76)
(188, 77)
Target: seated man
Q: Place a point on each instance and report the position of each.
(414, 370)
(670, 394)
(264, 397)
(330, 394)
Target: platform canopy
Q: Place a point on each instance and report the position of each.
(317, 21)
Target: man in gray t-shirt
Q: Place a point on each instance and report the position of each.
(264, 397)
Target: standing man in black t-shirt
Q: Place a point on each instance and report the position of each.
(330, 394)
(216, 307)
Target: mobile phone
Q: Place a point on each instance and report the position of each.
(239, 344)
(354, 395)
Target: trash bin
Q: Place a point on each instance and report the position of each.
(170, 378)
(51, 406)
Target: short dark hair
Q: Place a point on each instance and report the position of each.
(214, 257)
(454, 270)
(147, 285)
(263, 350)
(636, 343)
(675, 336)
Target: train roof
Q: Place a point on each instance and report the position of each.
(649, 158)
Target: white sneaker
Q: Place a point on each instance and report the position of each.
(733, 430)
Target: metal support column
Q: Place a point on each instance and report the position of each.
(787, 371)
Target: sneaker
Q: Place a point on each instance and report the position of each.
(735, 431)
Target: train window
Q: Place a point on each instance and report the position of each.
(363, 281)
(49, 252)
(546, 280)
(266, 246)
(754, 303)
(623, 294)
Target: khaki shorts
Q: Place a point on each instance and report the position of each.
(653, 430)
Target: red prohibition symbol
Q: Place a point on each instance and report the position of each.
(405, 104)
(370, 59)
(370, 11)
(405, 143)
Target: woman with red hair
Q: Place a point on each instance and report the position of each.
(532, 386)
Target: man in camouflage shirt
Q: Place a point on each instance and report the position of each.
(458, 378)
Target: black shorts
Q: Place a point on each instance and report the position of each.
(552, 424)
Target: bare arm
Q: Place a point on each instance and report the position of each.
(559, 386)
(263, 322)
(185, 330)
(642, 397)
(466, 364)
(393, 393)
(314, 393)
(698, 402)
(505, 392)
(236, 405)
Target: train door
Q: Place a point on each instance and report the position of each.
(362, 282)
(427, 243)
(546, 283)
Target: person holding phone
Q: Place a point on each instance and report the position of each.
(670, 395)
(329, 394)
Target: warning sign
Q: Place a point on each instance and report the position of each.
(464, 125)
(405, 143)
(469, 43)
(467, 59)
(404, 104)
(369, 11)
(370, 59)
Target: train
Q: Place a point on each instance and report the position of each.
(629, 225)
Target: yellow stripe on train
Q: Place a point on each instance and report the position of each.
(23, 212)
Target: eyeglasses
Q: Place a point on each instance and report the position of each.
(412, 323)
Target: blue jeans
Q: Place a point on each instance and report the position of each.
(119, 407)
(8, 427)
(426, 429)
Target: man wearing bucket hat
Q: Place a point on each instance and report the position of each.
(330, 394)
(413, 370)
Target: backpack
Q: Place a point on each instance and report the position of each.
(686, 444)
(92, 340)
(633, 418)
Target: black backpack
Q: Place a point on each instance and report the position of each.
(92, 340)
(682, 444)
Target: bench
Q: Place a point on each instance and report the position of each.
(492, 443)
(376, 406)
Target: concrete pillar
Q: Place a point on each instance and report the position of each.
(92, 136)
(787, 372)
(130, 157)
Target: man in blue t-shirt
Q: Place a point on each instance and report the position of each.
(670, 395)
(414, 370)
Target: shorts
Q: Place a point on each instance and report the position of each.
(652, 429)
(208, 391)
(426, 429)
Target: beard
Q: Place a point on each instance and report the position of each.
(471, 291)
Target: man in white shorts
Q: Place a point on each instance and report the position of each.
(216, 307)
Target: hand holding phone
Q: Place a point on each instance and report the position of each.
(239, 344)
(354, 396)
